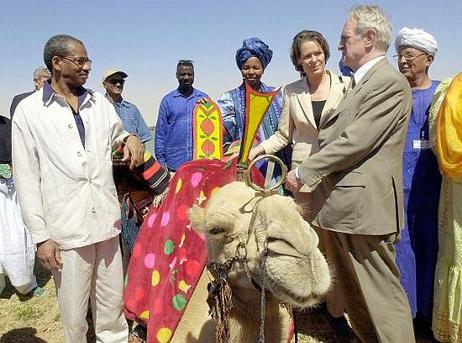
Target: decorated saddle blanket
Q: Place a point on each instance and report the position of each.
(169, 256)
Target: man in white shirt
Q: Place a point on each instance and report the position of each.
(63, 137)
(358, 172)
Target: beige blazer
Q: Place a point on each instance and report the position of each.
(359, 166)
(296, 124)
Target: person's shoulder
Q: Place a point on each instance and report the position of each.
(4, 120)
(30, 99)
(386, 76)
(17, 98)
(335, 78)
(128, 104)
(296, 86)
(169, 95)
(200, 93)
(97, 96)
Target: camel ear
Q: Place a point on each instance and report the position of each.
(196, 215)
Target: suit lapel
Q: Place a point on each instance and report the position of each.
(356, 89)
(368, 75)
(304, 99)
(335, 93)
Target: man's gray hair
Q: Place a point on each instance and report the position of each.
(41, 72)
(372, 17)
(58, 45)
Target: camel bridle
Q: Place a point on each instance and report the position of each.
(220, 294)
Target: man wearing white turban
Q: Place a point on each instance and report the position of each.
(416, 252)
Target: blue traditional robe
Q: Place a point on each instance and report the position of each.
(416, 252)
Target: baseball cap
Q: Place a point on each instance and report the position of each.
(113, 71)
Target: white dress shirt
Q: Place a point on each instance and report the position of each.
(359, 74)
(66, 191)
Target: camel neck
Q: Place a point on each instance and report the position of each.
(245, 318)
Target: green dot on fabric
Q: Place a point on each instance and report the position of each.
(179, 302)
(169, 247)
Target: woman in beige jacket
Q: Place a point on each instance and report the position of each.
(307, 102)
(307, 105)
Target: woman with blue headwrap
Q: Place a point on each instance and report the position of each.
(251, 59)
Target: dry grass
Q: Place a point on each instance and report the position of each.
(37, 320)
(30, 320)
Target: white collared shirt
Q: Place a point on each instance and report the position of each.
(66, 190)
(359, 74)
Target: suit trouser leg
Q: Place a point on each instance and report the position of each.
(107, 293)
(369, 278)
(73, 284)
(334, 298)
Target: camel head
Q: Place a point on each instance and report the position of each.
(239, 221)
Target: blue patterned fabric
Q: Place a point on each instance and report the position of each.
(253, 47)
(232, 107)
(416, 252)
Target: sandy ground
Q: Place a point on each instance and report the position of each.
(37, 320)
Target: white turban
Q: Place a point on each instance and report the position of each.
(416, 38)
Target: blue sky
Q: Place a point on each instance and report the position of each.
(146, 38)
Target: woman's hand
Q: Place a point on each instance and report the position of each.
(256, 151)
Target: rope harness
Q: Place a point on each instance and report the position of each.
(220, 298)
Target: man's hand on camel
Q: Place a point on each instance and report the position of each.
(133, 151)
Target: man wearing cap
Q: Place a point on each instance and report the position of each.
(113, 82)
(174, 136)
(418, 247)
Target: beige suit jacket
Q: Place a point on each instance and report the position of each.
(297, 124)
(359, 166)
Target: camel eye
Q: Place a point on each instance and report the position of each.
(215, 230)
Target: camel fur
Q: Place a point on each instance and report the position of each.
(295, 272)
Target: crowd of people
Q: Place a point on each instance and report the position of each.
(374, 158)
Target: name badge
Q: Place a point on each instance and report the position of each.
(421, 145)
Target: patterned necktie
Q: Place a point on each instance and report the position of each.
(351, 85)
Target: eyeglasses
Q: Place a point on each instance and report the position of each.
(78, 61)
(115, 81)
(408, 56)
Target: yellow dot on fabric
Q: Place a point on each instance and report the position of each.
(155, 278)
(164, 335)
(146, 156)
(144, 315)
(178, 186)
(183, 286)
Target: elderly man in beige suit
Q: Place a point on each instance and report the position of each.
(358, 171)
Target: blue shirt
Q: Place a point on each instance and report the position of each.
(174, 137)
(132, 119)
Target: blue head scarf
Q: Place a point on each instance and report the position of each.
(344, 69)
(253, 47)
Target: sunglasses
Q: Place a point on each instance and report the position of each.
(116, 81)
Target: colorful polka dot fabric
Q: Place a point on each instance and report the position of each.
(169, 256)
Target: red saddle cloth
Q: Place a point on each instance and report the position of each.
(169, 256)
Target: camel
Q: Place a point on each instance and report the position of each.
(238, 220)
